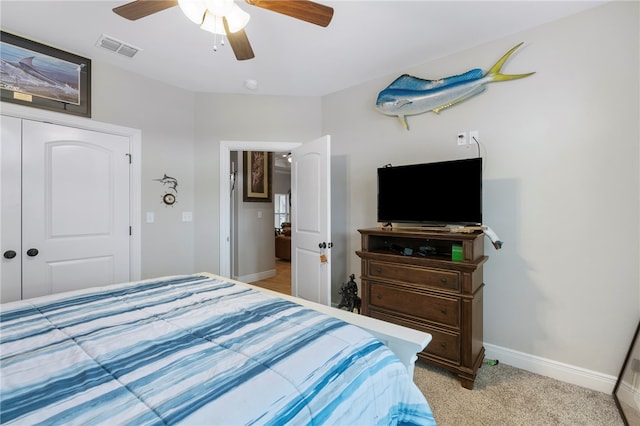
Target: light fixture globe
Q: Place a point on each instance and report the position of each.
(209, 13)
(193, 9)
(220, 7)
(237, 19)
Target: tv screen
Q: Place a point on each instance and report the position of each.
(448, 192)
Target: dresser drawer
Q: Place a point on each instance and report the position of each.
(439, 309)
(449, 280)
(443, 345)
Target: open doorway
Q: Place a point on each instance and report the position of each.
(226, 147)
(312, 277)
(281, 282)
(253, 239)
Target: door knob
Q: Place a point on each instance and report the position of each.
(32, 252)
(9, 254)
(322, 245)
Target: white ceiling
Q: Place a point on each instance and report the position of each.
(365, 40)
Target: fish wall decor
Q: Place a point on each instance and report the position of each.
(409, 95)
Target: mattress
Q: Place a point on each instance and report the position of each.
(194, 350)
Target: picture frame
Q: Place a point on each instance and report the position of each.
(627, 390)
(258, 176)
(41, 76)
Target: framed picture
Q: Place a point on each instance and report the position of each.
(41, 76)
(257, 175)
(627, 392)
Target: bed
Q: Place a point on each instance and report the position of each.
(199, 349)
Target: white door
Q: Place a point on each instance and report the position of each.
(10, 227)
(75, 208)
(311, 221)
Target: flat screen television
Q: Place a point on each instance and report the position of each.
(442, 193)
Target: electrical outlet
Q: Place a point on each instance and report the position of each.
(474, 136)
(462, 138)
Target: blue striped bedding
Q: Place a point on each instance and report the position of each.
(194, 350)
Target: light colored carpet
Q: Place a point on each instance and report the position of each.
(505, 395)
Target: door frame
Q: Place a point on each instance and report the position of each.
(226, 147)
(135, 171)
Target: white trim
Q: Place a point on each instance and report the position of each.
(135, 205)
(557, 370)
(135, 181)
(257, 276)
(225, 191)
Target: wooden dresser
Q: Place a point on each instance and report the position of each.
(409, 278)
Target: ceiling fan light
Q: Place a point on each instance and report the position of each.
(213, 23)
(193, 9)
(220, 7)
(237, 18)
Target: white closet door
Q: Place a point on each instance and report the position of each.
(10, 227)
(75, 209)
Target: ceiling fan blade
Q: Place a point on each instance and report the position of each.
(239, 42)
(305, 10)
(141, 8)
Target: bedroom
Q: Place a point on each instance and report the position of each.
(561, 179)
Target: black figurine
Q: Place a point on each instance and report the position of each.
(349, 292)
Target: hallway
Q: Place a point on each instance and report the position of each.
(281, 282)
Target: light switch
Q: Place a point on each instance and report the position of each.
(259, 214)
(187, 216)
(151, 217)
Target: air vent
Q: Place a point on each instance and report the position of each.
(117, 46)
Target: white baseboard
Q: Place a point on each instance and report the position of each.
(554, 369)
(628, 395)
(257, 276)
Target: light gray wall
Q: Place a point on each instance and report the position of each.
(166, 117)
(221, 117)
(561, 180)
(340, 231)
(254, 235)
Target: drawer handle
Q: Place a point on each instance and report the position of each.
(443, 345)
(443, 311)
(378, 296)
(378, 270)
(443, 280)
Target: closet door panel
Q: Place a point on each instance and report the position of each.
(79, 175)
(75, 209)
(10, 234)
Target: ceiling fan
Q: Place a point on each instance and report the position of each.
(225, 17)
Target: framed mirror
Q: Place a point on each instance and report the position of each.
(626, 392)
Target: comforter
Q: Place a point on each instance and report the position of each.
(194, 350)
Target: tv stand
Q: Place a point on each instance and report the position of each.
(468, 229)
(428, 291)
